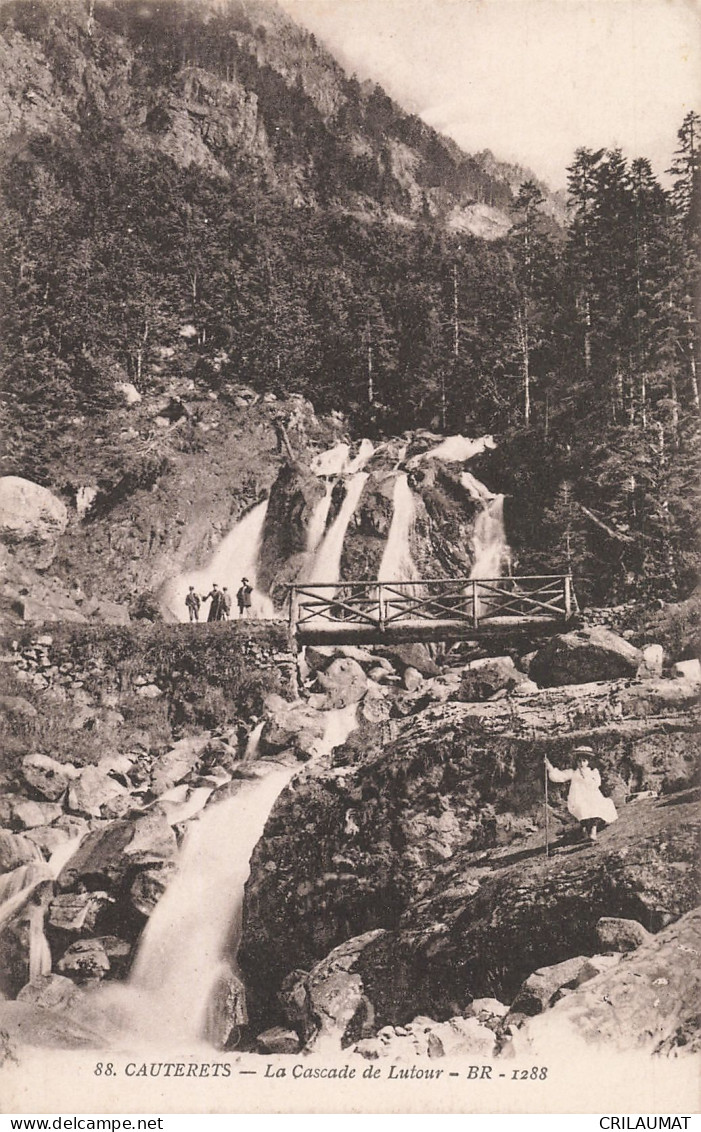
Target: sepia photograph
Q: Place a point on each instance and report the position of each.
(350, 611)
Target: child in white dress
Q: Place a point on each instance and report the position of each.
(585, 801)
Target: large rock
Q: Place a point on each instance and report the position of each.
(16, 850)
(226, 1011)
(32, 520)
(92, 790)
(293, 498)
(177, 763)
(85, 960)
(290, 725)
(329, 1005)
(538, 990)
(583, 657)
(47, 776)
(650, 1001)
(108, 856)
(28, 814)
(481, 679)
(618, 934)
(51, 992)
(77, 913)
(344, 682)
(410, 656)
(278, 1040)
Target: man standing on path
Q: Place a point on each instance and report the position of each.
(243, 598)
(225, 605)
(192, 601)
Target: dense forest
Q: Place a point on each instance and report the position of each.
(578, 345)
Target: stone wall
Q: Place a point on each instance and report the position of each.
(152, 660)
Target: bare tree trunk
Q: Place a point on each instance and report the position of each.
(371, 390)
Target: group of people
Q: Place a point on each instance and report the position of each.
(220, 607)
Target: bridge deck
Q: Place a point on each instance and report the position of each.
(356, 633)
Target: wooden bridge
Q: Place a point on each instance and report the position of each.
(434, 609)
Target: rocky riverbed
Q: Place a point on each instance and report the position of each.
(401, 903)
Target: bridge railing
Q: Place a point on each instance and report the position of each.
(467, 600)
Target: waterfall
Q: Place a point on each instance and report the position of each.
(332, 462)
(317, 523)
(327, 563)
(455, 450)
(235, 558)
(197, 922)
(181, 950)
(490, 546)
(397, 564)
(20, 893)
(475, 489)
(489, 540)
(366, 449)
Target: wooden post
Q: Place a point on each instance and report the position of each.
(568, 597)
(547, 814)
(381, 606)
(475, 616)
(293, 609)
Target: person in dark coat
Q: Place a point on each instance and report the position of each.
(243, 598)
(215, 608)
(192, 601)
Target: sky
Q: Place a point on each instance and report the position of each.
(529, 79)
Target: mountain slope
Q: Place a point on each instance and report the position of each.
(208, 84)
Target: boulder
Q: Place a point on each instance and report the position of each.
(410, 656)
(652, 663)
(689, 670)
(86, 959)
(88, 793)
(177, 763)
(149, 886)
(488, 1011)
(226, 1011)
(412, 679)
(617, 934)
(51, 992)
(583, 657)
(105, 857)
(47, 776)
(460, 1037)
(289, 725)
(77, 913)
(18, 707)
(538, 990)
(649, 1002)
(128, 393)
(32, 520)
(47, 838)
(329, 1004)
(278, 1040)
(16, 850)
(481, 679)
(29, 814)
(344, 683)
(51, 607)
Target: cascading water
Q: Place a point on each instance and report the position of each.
(235, 558)
(490, 546)
(397, 564)
(317, 523)
(356, 463)
(182, 955)
(20, 893)
(327, 563)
